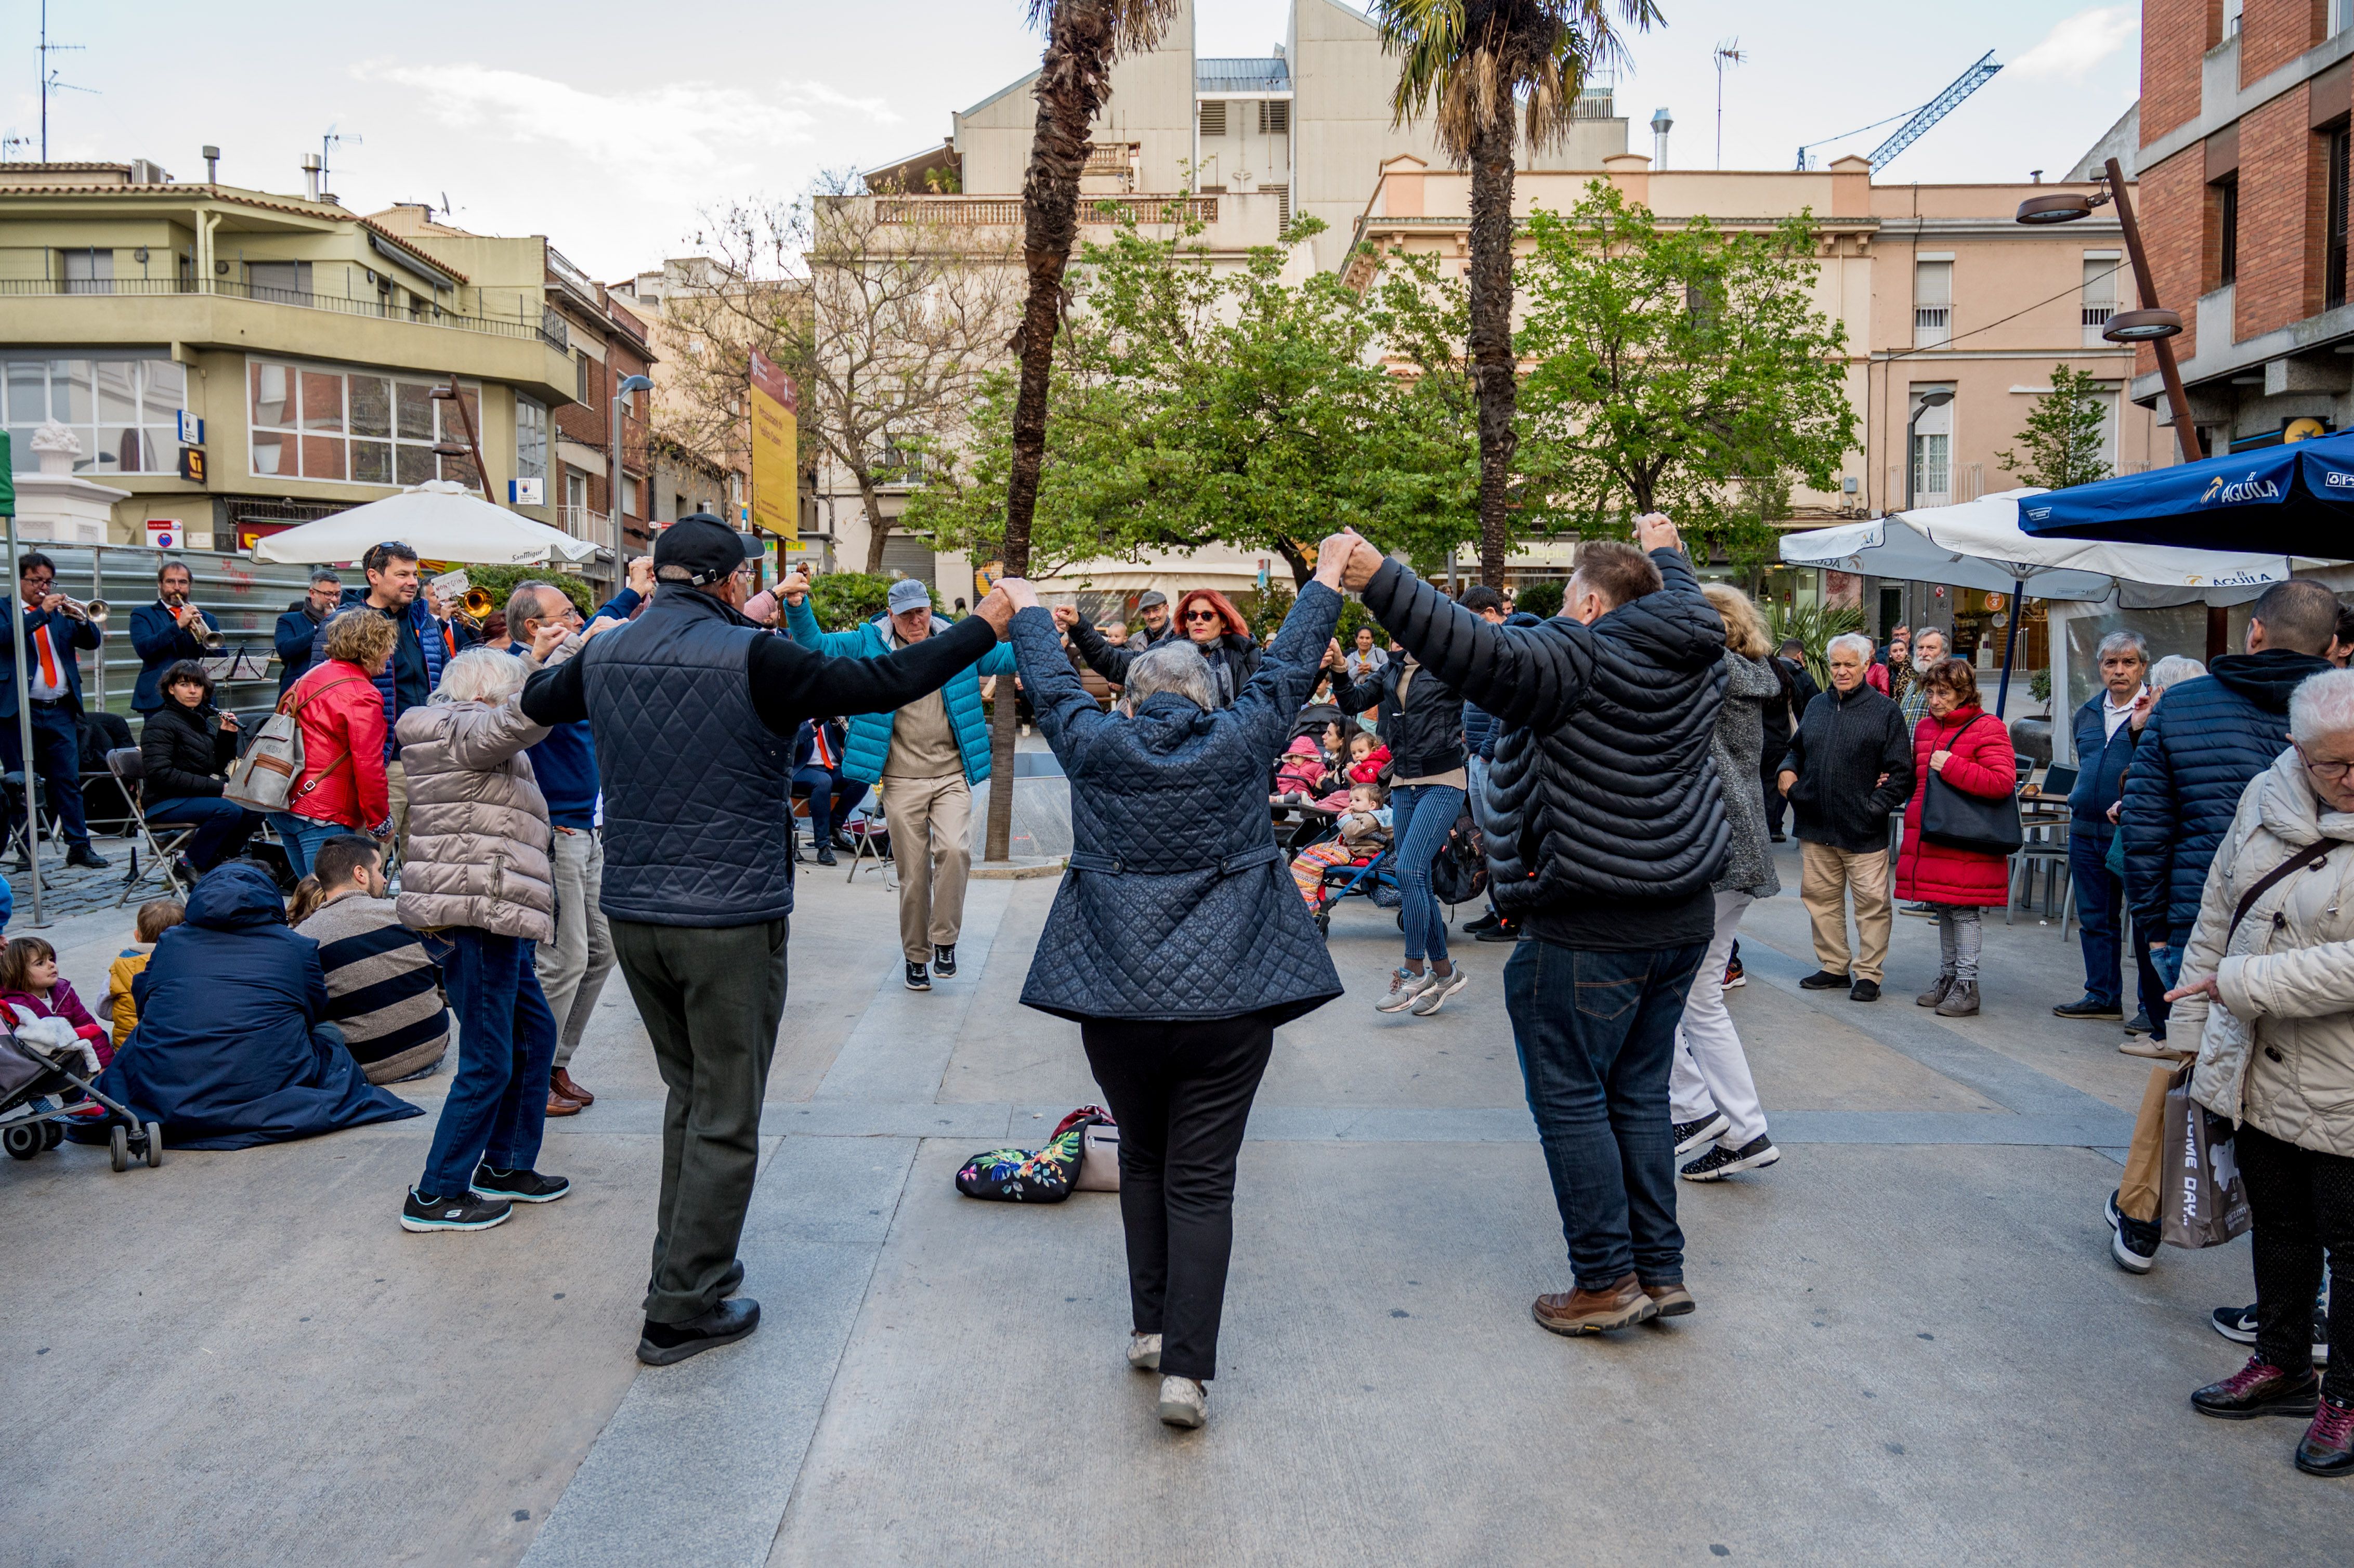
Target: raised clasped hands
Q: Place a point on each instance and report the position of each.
(1345, 560)
(1653, 531)
(545, 638)
(1067, 616)
(641, 575)
(1010, 595)
(793, 587)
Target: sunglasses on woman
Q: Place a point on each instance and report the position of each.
(1202, 615)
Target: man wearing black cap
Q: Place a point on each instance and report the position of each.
(692, 709)
(1153, 616)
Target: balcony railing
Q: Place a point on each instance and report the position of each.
(422, 313)
(1109, 157)
(1932, 326)
(1595, 103)
(979, 212)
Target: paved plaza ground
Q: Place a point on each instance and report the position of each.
(1911, 1346)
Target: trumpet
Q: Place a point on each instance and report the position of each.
(211, 639)
(478, 603)
(94, 610)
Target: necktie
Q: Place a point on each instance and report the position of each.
(48, 655)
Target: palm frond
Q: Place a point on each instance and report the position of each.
(1135, 24)
(1464, 62)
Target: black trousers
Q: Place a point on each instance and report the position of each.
(2303, 1201)
(711, 997)
(1181, 1093)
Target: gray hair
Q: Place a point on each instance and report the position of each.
(2173, 670)
(525, 604)
(480, 675)
(2322, 705)
(2126, 641)
(324, 575)
(1939, 633)
(1172, 666)
(1855, 640)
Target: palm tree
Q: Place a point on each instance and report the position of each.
(1083, 38)
(1478, 66)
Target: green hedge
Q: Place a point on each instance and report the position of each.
(845, 600)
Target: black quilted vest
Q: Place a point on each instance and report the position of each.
(696, 787)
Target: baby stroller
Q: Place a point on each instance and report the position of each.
(35, 1074)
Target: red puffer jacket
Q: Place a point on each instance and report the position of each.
(1983, 765)
(341, 715)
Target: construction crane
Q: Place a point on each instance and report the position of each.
(1916, 120)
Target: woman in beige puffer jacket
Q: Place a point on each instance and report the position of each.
(2271, 1002)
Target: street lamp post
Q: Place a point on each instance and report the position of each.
(621, 390)
(1929, 401)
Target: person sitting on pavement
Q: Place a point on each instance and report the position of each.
(2104, 732)
(1967, 749)
(2198, 751)
(233, 1048)
(1849, 769)
(818, 748)
(1206, 617)
(922, 761)
(166, 633)
(384, 990)
(156, 917)
(297, 636)
(50, 639)
(342, 787)
(2266, 983)
(1174, 878)
(184, 753)
(31, 989)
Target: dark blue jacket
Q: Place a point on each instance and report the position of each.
(2200, 748)
(429, 640)
(66, 634)
(224, 1056)
(1479, 727)
(161, 642)
(2101, 763)
(805, 744)
(1177, 905)
(564, 764)
(296, 632)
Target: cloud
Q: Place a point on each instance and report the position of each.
(2069, 50)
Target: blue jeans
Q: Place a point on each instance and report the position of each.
(2100, 909)
(497, 1106)
(1596, 1036)
(832, 798)
(302, 836)
(1421, 816)
(222, 826)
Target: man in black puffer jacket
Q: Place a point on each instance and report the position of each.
(1605, 826)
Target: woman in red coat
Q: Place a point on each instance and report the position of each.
(1969, 749)
(343, 788)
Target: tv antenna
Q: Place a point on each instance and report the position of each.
(327, 145)
(11, 144)
(1727, 52)
(50, 82)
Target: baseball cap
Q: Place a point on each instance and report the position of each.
(908, 594)
(707, 549)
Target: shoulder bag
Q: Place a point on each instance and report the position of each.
(263, 779)
(1956, 818)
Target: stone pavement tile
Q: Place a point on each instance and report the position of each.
(899, 1048)
(1916, 1356)
(240, 1357)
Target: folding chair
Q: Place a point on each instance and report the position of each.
(131, 774)
(873, 826)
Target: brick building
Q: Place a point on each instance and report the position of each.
(2243, 202)
(608, 346)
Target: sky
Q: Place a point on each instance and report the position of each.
(611, 128)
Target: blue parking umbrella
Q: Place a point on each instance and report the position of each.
(2296, 498)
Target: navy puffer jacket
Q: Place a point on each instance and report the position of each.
(2201, 746)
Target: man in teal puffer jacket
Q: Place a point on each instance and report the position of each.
(923, 760)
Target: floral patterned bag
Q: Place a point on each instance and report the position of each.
(1032, 1176)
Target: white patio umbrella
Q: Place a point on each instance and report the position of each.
(440, 520)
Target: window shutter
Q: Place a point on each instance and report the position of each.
(1274, 117)
(1214, 118)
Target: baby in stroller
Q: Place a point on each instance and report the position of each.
(1363, 834)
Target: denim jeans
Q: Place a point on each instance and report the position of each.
(2101, 908)
(222, 826)
(1596, 1035)
(303, 837)
(497, 1106)
(832, 798)
(1420, 817)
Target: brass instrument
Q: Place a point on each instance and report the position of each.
(478, 603)
(94, 610)
(211, 639)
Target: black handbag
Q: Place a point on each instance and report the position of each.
(1955, 818)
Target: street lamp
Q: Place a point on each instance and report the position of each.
(621, 390)
(1928, 400)
(2150, 324)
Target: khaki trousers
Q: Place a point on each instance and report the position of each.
(931, 842)
(1828, 875)
(2137, 1188)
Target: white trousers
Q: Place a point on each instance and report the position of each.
(1709, 1067)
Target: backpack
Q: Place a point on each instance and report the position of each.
(263, 779)
(1459, 873)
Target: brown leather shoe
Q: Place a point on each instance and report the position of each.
(561, 1082)
(1583, 1312)
(558, 1106)
(1672, 1300)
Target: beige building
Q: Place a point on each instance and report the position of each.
(307, 339)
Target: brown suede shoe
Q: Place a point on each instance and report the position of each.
(558, 1106)
(561, 1082)
(1672, 1300)
(1585, 1312)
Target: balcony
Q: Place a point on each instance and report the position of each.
(423, 313)
(984, 212)
(1933, 326)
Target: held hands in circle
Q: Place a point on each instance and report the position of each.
(1067, 616)
(1345, 561)
(1654, 532)
(544, 638)
(793, 587)
(1010, 595)
(641, 575)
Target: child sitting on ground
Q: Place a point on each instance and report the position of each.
(156, 917)
(1364, 834)
(31, 989)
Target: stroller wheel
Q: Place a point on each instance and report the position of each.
(23, 1140)
(117, 1143)
(1401, 919)
(1324, 923)
(53, 1133)
(154, 1145)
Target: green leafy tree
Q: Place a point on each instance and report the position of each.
(2064, 435)
(1678, 368)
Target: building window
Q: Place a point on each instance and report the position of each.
(2339, 145)
(126, 411)
(2101, 270)
(1214, 118)
(288, 281)
(352, 426)
(2227, 232)
(87, 271)
(576, 503)
(1932, 303)
(2231, 17)
(1932, 455)
(531, 439)
(1274, 117)
(2341, 14)
(581, 377)
(630, 497)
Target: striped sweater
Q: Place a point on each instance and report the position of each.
(383, 990)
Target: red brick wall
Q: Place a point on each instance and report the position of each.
(2274, 32)
(2170, 202)
(2279, 169)
(2174, 35)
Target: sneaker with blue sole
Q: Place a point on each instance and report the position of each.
(455, 1211)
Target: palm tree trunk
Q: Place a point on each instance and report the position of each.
(1072, 80)
(1493, 365)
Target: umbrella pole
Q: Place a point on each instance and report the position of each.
(2010, 643)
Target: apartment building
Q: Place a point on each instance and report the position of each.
(2243, 158)
(306, 339)
(697, 454)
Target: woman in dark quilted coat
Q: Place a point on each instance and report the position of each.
(1178, 943)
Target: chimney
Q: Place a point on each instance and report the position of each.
(1662, 123)
(311, 163)
(212, 165)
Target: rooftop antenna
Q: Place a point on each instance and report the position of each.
(1726, 53)
(11, 144)
(327, 145)
(50, 82)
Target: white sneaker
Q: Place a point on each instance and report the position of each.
(1434, 996)
(1144, 1351)
(1184, 1401)
(1405, 986)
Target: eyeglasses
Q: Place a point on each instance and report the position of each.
(2328, 772)
(1202, 615)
